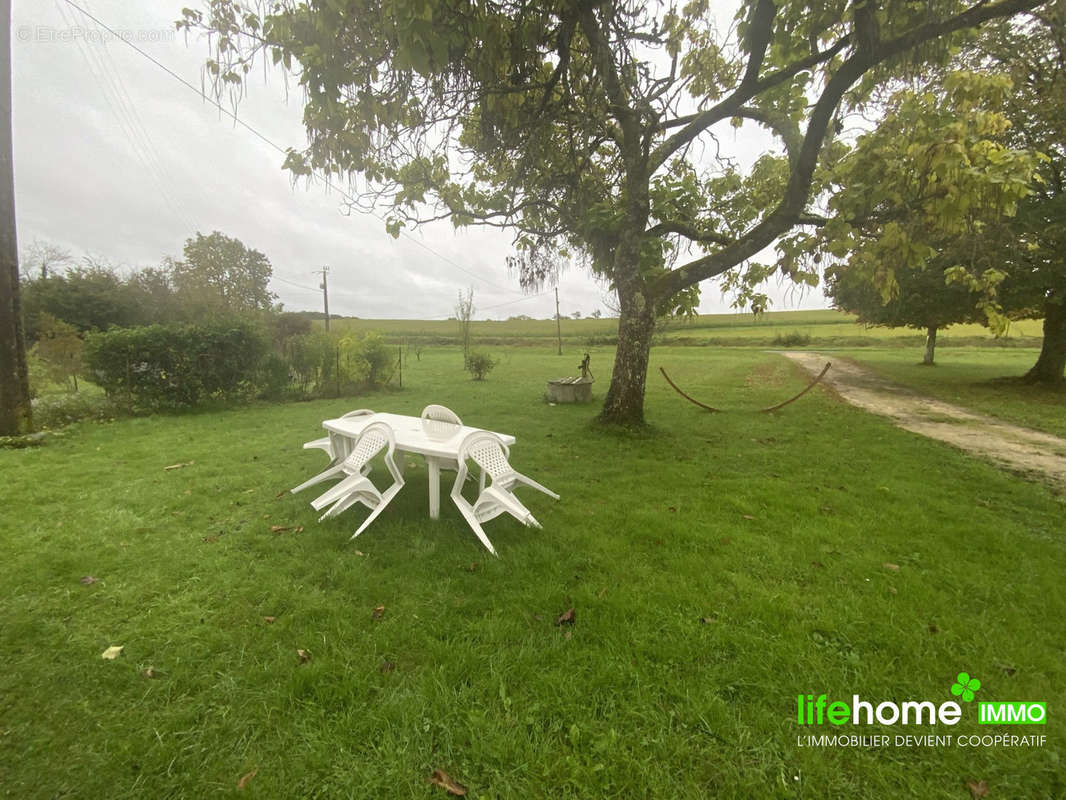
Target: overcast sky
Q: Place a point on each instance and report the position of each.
(114, 157)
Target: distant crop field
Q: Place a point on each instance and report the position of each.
(783, 328)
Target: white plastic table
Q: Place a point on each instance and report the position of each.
(410, 438)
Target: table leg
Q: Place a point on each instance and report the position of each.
(434, 487)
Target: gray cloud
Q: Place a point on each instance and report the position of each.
(116, 158)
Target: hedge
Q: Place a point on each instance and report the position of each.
(160, 366)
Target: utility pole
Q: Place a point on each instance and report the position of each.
(16, 414)
(558, 324)
(325, 294)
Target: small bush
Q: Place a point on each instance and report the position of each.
(274, 377)
(380, 358)
(51, 411)
(479, 365)
(794, 339)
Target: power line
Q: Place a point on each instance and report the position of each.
(297, 285)
(237, 120)
(497, 305)
(117, 100)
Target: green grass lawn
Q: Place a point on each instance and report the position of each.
(968, 377)
(718, 566)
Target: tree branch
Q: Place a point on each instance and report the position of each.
(760, 31)
(689, 232)
(728, 107)
(790, 210)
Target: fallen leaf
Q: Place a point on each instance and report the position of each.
(303, 655)
(933, 628)
(386, 667)
(113, 652)
(893, 567)
(472, 567)
(444, 780)
(88, 579)
(566, 618)
(269, 620)
(210, 539)
(978, 789)
(246, 778)
(281, 494)
(283, 528)
(378, 612)
(151, 673)
(568, 635)
(892, 590)
(180, 465)
(748, 516)
(671, 508)
(817, 564)
(188, 491)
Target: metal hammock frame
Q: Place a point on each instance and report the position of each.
(714, 410)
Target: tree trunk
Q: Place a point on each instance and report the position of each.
(624, 404)
(1051, 365)
(16, 414)
(930, 346)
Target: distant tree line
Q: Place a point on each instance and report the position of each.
(193, 330)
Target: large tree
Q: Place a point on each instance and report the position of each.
(1033, 245)
(924, 299)
(581, 124)
(971, 167)
(219, 275)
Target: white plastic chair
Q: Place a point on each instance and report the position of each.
(487, 451)
(327, 442)
(440, 422)
(356, 487)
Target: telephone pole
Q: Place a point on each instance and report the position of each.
(325, 294)
(558, 324)
(16, 413)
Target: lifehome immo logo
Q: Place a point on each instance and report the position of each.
(812, 710)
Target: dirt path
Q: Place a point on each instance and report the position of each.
(1011, 446)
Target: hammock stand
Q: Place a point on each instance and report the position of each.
(714, 410)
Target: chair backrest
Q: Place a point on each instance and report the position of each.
(488, 451)
(359, 412)
(440, 423)
(375, 437)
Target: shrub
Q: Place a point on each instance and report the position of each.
(57, 410)
(176, 367)
(380, 359)
(794, 339)
(274, 378)
(334, 364)
(479, 365)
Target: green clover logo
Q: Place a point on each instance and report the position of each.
(965, 686)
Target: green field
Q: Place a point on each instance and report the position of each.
(826, 328)
(718, 565)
